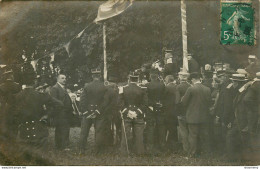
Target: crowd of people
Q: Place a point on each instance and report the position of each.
(214, 109)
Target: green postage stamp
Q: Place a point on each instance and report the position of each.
(237, 22)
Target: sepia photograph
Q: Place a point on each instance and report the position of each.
(130, 83)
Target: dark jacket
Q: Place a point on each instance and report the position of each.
(197, 99)
(93, 94)
(224, 109)
(63, 97)
(171, 99)
(240, 109)
(155, 92)
(7, 91)
(133, 95)
(182, 88)
(252, 97)
(111, 107)
(193, 66)
(252, 102)
(30, 104)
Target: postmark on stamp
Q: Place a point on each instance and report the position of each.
(237, 22)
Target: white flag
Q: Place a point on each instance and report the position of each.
(112, 8)
(80, 34)
(67, 48)
(34, 63)
(52, 57)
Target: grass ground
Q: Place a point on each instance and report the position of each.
(49, 156)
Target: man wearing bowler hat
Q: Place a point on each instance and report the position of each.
(197, 99)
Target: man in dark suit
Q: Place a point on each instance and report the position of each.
(92, 105)
(197, 99)
(181, 109)
(8, 119)
(193, 64)
(237, 134)
(112, 115)
(170, 101)
(62, 118)
(252, 101)
(155, 115)
(222, 108)
(170, 65)
(133, 101)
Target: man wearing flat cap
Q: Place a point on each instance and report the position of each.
(8, 89)
(197, 99)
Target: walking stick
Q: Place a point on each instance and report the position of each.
(123, 124)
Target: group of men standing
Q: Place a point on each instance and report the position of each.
(201, 112)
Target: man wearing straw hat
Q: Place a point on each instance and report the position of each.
(237, 133)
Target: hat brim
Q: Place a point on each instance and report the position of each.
(241, 80)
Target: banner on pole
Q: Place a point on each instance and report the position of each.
(237, 22)
(112, 8)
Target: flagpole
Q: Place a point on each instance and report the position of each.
(105, 52)
(184, 36)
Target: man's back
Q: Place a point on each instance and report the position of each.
(155, 91)
(193, 66)
(182, 88)
(197, 99)
(29, 104)
(93, 94)
(133, 95)
(8, 89)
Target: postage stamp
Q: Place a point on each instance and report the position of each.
(237, 22)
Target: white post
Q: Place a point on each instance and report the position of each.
(184, 36)
(105, 52)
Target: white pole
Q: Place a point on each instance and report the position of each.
(105, 52)
(184, 36)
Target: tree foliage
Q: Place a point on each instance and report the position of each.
(135, 37)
